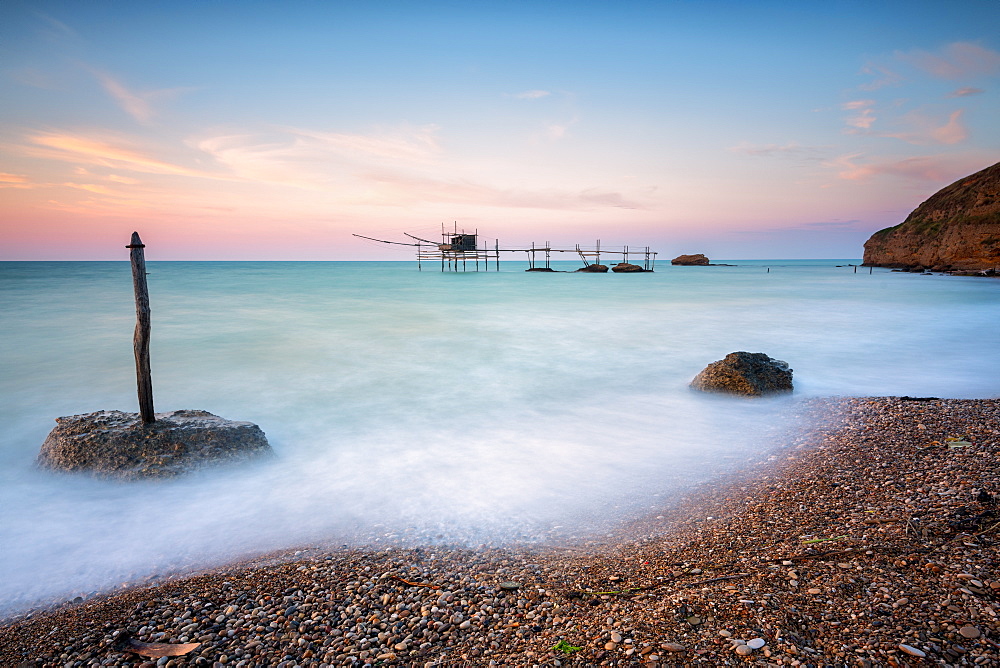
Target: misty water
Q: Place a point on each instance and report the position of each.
(428, 406)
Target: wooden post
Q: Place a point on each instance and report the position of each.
(140, 342)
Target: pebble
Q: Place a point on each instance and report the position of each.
(912, 651)
(756, 643)
(743, 650)
(970, 632)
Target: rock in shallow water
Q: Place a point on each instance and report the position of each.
(697, 259)
(748, 374)
(114, 444)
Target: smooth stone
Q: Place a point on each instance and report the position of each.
(744, 650)
(756, 643)
(814, 591)
(912, 651)
(616, 637)
(725, 634)
(969, 632)
(672, 647)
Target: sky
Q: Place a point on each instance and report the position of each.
(259, 130)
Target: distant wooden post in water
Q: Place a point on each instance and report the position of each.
(140, 342)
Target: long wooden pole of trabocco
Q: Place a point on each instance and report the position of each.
(140, 342)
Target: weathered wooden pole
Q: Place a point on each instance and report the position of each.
(140, 342)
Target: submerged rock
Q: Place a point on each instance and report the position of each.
(696, 260)
(743, 373)
(114, 444)
(594, 268)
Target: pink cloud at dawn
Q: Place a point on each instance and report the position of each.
(955, 61)
(375, 122)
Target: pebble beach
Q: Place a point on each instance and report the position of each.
(867, 539)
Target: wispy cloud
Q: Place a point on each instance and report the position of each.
(90, 187)
(56, 25)
(928, 130)
(138, 105)
(966, 91)
(955, 61)
(532, 94)
(14, 181)
(830, 225)
(791, 149)
(394, 188)
(557, 130)
(883, 77)
(80, 149)
(311, 159)
(864, 116)
(925, 169)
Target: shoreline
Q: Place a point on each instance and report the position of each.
(869, 539)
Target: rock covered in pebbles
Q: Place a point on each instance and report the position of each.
(743, 373)
(114, 444)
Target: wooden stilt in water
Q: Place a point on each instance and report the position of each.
(140, 342)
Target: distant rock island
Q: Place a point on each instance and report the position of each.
(956, 229)
(695, 260)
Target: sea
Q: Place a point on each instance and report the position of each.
(423, 407)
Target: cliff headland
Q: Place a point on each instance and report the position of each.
(956, 229)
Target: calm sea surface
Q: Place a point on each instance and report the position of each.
(461, 407)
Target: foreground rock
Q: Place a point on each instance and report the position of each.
(864, 540)
(113, 444)
(696, 260)
(958, 228)
(749, 374)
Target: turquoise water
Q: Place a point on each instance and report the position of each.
(440, 406)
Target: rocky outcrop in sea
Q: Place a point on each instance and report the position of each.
(695, 260)
(747, 374)
(114, 444)
(957, 228)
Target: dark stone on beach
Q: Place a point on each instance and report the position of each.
(113, 444)
(594, 268)
(625, 267)
(696, 260)
(540, 269)
(747, 374)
